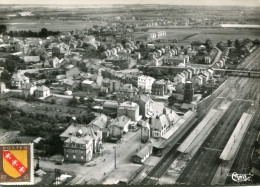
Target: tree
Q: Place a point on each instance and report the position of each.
(209, 44)
(7, 123)
(91, 100)
(5, 75)
(73, 101)
(43, 32)
(196, 43)
(82, 99)
(237, 44)
(171, 100)
(3, 29)
(53, 101)
(229, 43)
(11, 65)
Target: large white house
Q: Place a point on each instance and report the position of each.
(145, 83)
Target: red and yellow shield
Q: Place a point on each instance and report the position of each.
(15, 162)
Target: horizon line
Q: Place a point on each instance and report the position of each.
(50, 4)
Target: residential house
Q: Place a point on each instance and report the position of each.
(204, 77)
(19, 46)
(42, 91)
(90, 86)
(211, 73)
(154, 62)
(145, 83)
(80, 143)
(56, 62)
(100, 124)
(207, 59)
(206, 74)
(86, 85)
(110, 108)
(176, 60)
(114, 86)
(106, 82)
(47, 64)
(70, 84)
(104, 89)
(18, 80)
(190, 72)
(145, 105)
(28, 89)
(73, 72)
(179, 78)
(28, 59)
(159, 88)
(129, 109)
(2, 87)
(119, 126)
(198, 80)
(90, 43)
(159, 125)
(126, 92)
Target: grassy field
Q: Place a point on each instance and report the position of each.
(216, 35)
(45, 108)
(53, 25)
(220, 35)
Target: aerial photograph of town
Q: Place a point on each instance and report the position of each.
(159, 92)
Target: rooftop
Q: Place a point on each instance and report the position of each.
(42, 88)
(87, 82)
(120, 121)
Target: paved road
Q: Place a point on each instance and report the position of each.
(217, 56)
(8, 137)
(124, 152)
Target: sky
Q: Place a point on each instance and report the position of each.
(172, 2)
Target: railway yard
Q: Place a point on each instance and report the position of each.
(222, 139)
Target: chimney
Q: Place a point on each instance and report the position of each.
(150, 120)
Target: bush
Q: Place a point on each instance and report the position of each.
(53, 101)
(73, 102)
(82, 100)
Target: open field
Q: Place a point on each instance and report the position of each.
(224, 36)
(53, 25)
(187, 35)
(45, 108)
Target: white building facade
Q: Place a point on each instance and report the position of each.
(145, 83)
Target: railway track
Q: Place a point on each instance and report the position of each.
(202, 167)
(161, 167)
(242, 163)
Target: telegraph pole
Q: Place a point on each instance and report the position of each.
(115, 155)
